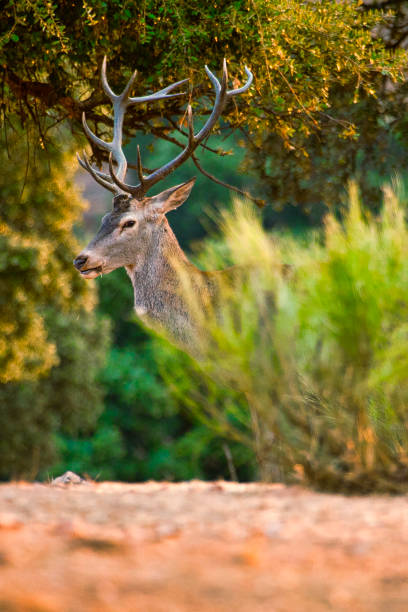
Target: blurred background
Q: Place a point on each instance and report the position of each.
(315, 389)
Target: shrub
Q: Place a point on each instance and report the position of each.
(52, 344)
(314, 335)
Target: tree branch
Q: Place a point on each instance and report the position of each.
(258, 201)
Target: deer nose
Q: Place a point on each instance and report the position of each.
(80, 261)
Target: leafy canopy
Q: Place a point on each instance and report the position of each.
(50, 55)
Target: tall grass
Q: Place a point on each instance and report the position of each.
(314, 335)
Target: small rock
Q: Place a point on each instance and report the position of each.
(166, 530)
(273, 529)
(67, 479)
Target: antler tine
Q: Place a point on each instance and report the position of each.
(101, 174)
(96, 175)
(136, 191)
(240, 90)
(220, 100)
(213, 79)
(120, 103)
(139, 166)
(93, 137)
(128, 87)
(224, 81)
(105, 85)
(81, 161)
(190, 125)
(194, 140)
(85, 163)
(160, 95)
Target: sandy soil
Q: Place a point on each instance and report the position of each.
(161, 547)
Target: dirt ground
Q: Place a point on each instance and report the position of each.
(195, 546)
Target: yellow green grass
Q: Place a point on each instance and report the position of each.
(313, 335)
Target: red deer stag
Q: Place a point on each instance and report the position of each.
(136, 234)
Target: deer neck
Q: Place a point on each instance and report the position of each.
(155, 278)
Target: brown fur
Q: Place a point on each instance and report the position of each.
(154, 261)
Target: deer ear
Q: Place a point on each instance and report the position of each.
(171, 198)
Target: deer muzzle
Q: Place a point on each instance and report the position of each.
(87, 267)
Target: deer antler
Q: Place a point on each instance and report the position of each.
(115, 182)
(120, 104)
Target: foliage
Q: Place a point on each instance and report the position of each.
(36, 256)
(313, 174)
(66, 399)
(221, 420)
(298, 51)
(361, 136)
(48, 372)
(310, 61)
(318, 347)
(147, 429)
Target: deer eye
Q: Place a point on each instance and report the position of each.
(129, 223)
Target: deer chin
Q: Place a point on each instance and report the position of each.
(91, 272)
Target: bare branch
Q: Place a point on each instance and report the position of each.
(259, 202)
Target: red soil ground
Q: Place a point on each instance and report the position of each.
(161, 547)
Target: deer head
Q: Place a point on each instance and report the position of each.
(137, 221)
(128, 232)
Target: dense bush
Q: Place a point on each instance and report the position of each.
(52, 344)
(318, 347)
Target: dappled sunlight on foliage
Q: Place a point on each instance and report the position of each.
(297, 50)
(52, 345)
(36, 253)
(313, 334)
(299, 370)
